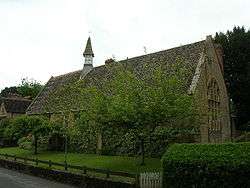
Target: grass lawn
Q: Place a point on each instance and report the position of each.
(114, 163)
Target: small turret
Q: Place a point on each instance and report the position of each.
(88, 50)
(88, 58)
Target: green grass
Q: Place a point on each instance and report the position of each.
(114, 163)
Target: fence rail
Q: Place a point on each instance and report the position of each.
(67, 166)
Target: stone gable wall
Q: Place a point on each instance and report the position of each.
(211, 70)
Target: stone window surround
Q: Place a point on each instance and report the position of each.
(214, 106)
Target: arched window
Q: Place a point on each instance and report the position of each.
(214, 116)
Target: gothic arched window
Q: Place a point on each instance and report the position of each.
(214, 117)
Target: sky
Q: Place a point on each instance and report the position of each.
(44, 38)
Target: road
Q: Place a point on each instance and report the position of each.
(13, 179)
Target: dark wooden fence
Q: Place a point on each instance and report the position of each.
(66, 167)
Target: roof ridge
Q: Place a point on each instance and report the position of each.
(162, 51)
(66, 73)
(61, 75)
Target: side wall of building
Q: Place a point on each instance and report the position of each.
(211, 69)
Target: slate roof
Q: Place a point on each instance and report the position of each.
(15, 105)
(58, 94)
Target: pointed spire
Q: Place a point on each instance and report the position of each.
(88, 50)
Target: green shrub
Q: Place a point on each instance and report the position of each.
(245, 137)
(19, 127)
(4, 141)
(20, 131)
(3, 124)
(25, 143)
(207, 165)
(43, 143)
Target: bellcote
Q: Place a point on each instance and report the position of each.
(88, 54)
(88, 59)
(88, 50)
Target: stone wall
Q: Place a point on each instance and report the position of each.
(212, 69)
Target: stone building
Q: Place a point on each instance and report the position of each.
(13, 106)
(204, 80)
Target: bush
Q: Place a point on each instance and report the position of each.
(207, 165)
(25, 143)
(5, 141)
(43, 143)
(18, 127)
(245, 137)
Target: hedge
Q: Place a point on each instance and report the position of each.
(207, 165)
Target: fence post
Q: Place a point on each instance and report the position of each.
(14, 157)
(50, 165)
(25, 160)
(137, 180)
(84, 170)
(65, 165)
(107, 174)
(36, 162)
(6, 156)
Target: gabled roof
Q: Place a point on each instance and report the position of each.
(58, 94)
(15, 105)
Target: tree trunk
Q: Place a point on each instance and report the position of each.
(99, 143)
(35, 144)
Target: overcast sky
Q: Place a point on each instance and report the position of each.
(41, 38)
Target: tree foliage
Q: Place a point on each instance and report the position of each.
(27, 88)
(157, 99)
(18, 127)
(236, 46)
(9, 90)
(119, 111)
(22, 127)
(155, 106)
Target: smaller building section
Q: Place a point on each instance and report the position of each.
(13, 106)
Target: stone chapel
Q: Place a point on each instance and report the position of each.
(205, 80)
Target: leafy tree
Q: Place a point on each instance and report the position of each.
(40, 127)
(27, 88)
(156, 100)
(9, 90)
(18, 127)
(236, 46)
(23, 126)
(153, 104)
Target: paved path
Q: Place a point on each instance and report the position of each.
(13, 179)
